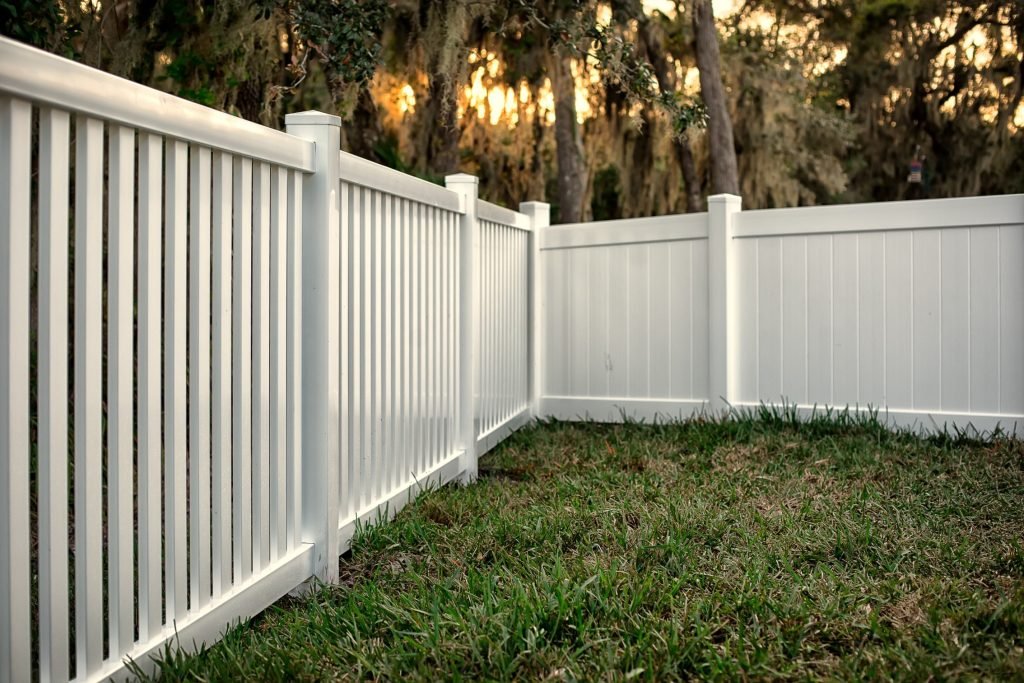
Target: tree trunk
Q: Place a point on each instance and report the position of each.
(443, 154)
(685, 155)
(655, 50)
(724, 175)
(569, 147)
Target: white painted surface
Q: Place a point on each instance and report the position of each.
(910, 307)
(368, 334)
(908, 320)
(626, 320)
(503, 363)
(211, 250)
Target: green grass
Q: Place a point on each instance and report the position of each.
(747, 549)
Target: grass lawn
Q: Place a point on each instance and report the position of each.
(745, 549)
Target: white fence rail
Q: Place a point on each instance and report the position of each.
(223, 347)
(910, 308)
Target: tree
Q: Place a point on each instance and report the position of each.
(724, 173)
(572, 170)
(654, 48)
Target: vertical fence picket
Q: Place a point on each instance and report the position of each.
(494, 366)
(489, 318)
(220, 425)
(504, 327)
(54, 141)
(261, 368)
(15, 170)
(388, 360)
(376, 454)
(88, 394)
(199, 376)
(365, 325)
(294, 355)
(397, 248)
(445, 337)
(241, 371)
(347, 381)
(406, 337)
(356, 364)
(278, 362)
(175, 380)
(120, 404)
(513, 327)
(420, 390)
(453, 326)
(438, 402)
(431, 293)
(150, 448)
(360, 311)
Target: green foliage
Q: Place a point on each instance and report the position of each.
(576, 28)
(345, 34)
(41, 23)
(828, 103)
(759, 548)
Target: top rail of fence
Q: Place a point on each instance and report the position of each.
(49, 80)
(486, 211)
(693, 226)
(365, 173)
(920, 214)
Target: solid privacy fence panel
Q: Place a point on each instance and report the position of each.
(224, 347)
(919, 309)
(913, 309)
(626, 318)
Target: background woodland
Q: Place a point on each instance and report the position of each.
(605, 109)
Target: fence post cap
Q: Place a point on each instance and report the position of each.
(312, 118)
(725, 199)
(539, 213)
(461, 179)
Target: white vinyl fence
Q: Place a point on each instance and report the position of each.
(504, 391)
(223, 347)
(914, 309)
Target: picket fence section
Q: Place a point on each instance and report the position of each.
(223, 348)
(913, 309)
(504, 391)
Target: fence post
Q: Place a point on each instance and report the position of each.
(540, 218)
(321, 333)
(467, 187)
(722, 309)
